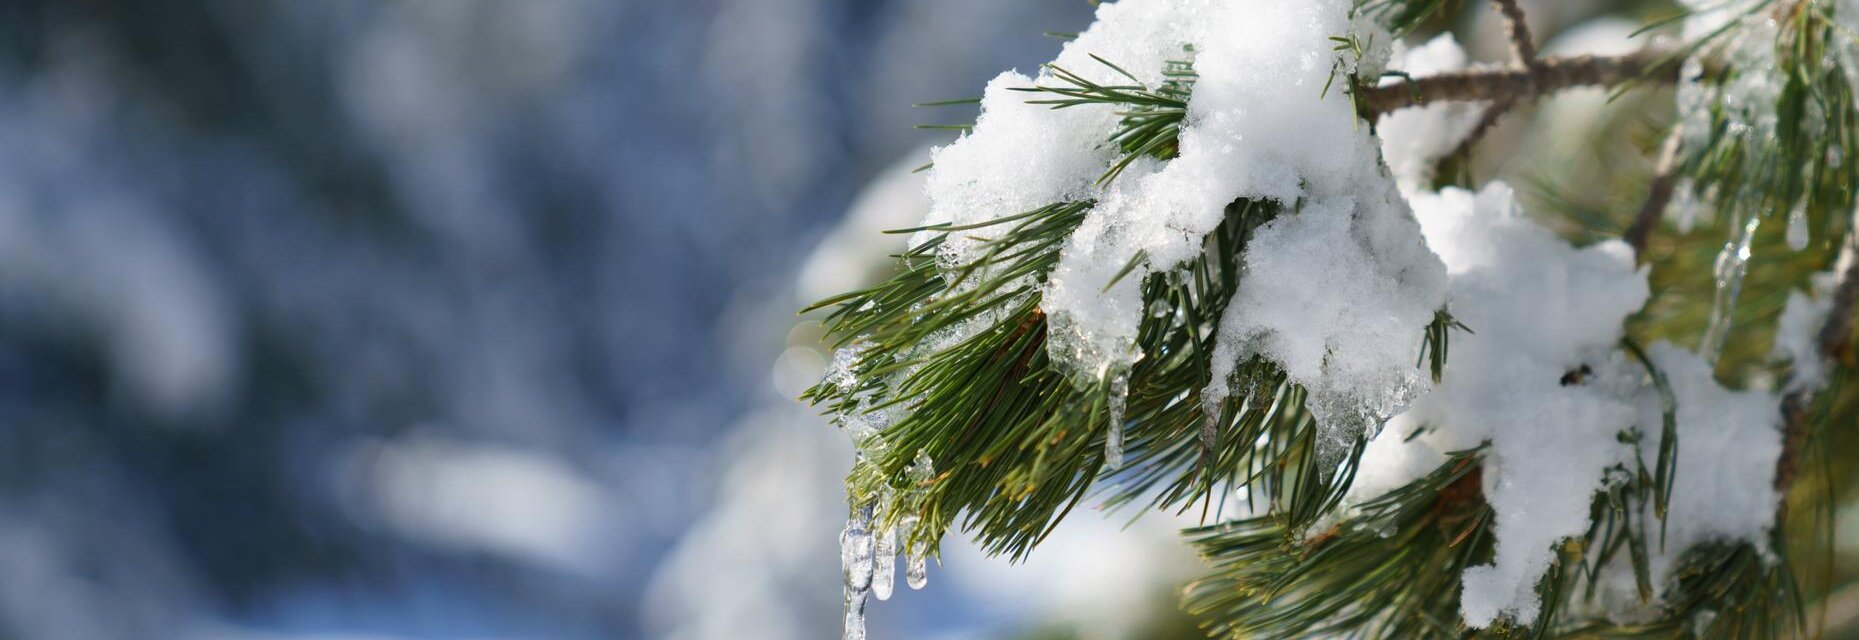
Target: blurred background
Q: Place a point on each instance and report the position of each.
(386, 319)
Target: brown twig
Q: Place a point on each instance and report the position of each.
(1486, 122)
(1522, 46)
(1547, 76)
(1658, 193)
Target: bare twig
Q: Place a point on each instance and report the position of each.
(1486, 122)
(1658, 193)
(1522, 47)
(1547, 76)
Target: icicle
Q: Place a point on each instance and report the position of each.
(884, 564)
(1113, 437)
(916, 572)
(1732, 264)
(855, 615)
(855, 557)
(921, 471)
(1797, 227)
(916, 566)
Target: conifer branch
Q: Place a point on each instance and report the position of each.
(1547, 76)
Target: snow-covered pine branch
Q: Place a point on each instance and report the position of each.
(1197, 260)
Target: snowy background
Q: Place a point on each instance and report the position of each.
(454, 318)
(475, 318)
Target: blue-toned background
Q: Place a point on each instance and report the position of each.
(448, 318)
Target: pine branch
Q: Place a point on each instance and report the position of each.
(1389, 569)
(1015, 439)
(1548, 76)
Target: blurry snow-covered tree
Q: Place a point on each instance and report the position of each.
(333, 317)
(1235, 260)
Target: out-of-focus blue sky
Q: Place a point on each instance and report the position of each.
(432, 318)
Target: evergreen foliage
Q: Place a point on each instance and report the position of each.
(1017, 442)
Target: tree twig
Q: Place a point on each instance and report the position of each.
(1658, 193)
(1547, 76)
(1486, 122)
(1522, 46)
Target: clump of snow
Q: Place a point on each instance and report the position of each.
(1724, 491)
(1728, 444)
(1542, 384)
(1261, 126)
(1316, 300)
(1797, 336)
(1022, 156)
(1540, 309)
(1413, 140)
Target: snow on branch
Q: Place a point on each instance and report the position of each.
(1832, 341)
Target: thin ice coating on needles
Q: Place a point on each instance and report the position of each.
(1337, 290)
(1732, 264)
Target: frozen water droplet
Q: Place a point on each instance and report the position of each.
(884, 564)
(1797, 227)
(916, 567)
(916, 573)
